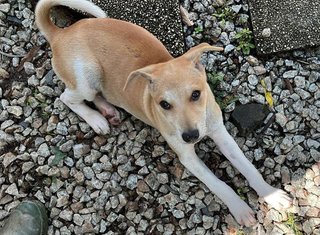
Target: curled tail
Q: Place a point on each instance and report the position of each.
(47, 27)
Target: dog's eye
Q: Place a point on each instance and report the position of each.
(165, 105)
(195, 95)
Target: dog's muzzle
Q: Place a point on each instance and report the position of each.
(191, 136)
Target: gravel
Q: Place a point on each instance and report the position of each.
(130, 181)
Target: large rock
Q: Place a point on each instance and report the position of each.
(249, 117)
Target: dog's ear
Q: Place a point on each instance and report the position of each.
(194, 54)
(144, 73)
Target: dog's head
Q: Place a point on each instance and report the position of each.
(178, 90)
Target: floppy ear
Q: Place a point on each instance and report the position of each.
(144, 73)
(194, 54)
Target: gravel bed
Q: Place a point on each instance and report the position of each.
(130, 182)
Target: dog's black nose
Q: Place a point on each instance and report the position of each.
(190, 136)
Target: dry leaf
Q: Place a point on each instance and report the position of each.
(267, 94)
(269, 99)
(185, 16)
(28, 57)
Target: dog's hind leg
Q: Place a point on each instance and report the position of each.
(85, 85)
(239, 209)
(75, 101)
(107, 110)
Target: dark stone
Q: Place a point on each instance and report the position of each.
(161, 18)
(291, 24)
(49, 78)
(248, 117)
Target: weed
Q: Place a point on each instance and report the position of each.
(214, 80)
(245, 41)
(198, 29)
(44, 115)
(291, 223)
(58, 156)
(241, 193)
(227, 100)
(225, 14)
(242, 20)
(240, 232)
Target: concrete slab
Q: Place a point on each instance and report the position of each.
(280, 25)
(162, 18)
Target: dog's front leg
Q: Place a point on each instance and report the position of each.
(239, 209)
(275, 197)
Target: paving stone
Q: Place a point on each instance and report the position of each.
(162, 18)
(285, 25)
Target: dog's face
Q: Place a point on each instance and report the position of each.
(179, 95)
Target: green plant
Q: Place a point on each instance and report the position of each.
(198, 29)
(44, 115)
(58, 156)
(225, 101)
(225, 14)
(241, 193)
(214, 79)
(291, 223)
(240, 232)
(245, 41)
(242, 20)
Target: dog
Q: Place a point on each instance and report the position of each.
(114, 63)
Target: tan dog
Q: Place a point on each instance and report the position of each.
(111, 62)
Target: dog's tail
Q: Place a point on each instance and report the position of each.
(42, 12)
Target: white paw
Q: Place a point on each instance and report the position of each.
(278, 199)
(243, 214)
(98, 123)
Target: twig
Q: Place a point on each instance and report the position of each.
(28, 57)
(268, 124)
(303, 62)
(11, 55)
(288, 85)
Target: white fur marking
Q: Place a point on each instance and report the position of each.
(74, 101)
(275, 197)
(85, 6)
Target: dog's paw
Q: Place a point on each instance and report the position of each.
(243, 214)
(114, 120)
(108, 110)
(278, 199)
(98, 123)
